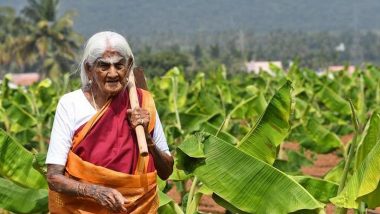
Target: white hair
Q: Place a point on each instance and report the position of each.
(96, 46)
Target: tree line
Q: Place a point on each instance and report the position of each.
(315, 50)
(37, 40)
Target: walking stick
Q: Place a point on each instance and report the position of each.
(140, 133)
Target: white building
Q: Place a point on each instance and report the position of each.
(258, 66)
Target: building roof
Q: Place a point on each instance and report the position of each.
(24, 79)
(257, 66)
(335, 68)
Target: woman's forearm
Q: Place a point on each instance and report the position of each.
(162, 161)
(105, 196)
(60, 183)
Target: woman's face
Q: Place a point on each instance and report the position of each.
(109, 73)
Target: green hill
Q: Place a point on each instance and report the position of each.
(148, 19)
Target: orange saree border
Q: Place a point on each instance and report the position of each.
(140, 189)
(87, 127)
(148, 104)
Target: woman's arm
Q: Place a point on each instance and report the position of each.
(162, 160)
(107, 197)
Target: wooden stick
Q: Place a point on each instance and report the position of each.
(140, 81)
(140, 132)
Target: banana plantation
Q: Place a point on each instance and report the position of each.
(227, 135)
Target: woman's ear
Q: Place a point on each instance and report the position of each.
(129, 66)
(130, 63)
(87, 67)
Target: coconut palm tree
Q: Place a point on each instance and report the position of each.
(50, 45)
(8, 31)
(41, 10)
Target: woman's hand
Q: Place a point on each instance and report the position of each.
(162, 161)
(107, 197)
(138, 116)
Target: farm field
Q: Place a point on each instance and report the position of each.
(300, 134)
(242, 143)
(321, 166)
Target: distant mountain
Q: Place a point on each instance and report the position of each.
(147, 18)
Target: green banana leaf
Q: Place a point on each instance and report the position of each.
(334, 175)
(219, 200)
(164, 199)
(178, 175)
(293, 164)
(243, 103)
(260, 82)
(250, 107)
(19, 115)
(161, 184)
(247, 183)
(333, 101)
(322, 190)
(170, 208)
(25, 135)
(363, 184)
(271, 129)
(16, 163)
(320, 139)
(209, 128)
(300, 107)
(335, 119)
(372, 200)
(192, 122)
(22, 200)
(39, 163)
(297, 132)
(224, 92)
(371, 138)
(251, 90)
(167, 205)
(177, 87)
(377, 97)
(278, 71)
(360, 101)
(209, 103)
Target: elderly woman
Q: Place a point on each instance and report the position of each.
(93, 160)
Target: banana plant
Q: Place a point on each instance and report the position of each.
(363, 185)
(247, 182)
(27, 115)
(20, 181)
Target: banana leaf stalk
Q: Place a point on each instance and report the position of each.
(351, 155)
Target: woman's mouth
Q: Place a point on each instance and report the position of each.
(113, 81)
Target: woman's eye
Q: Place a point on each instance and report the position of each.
(103, 66)
(119, 66)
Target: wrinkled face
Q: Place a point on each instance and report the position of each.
(109, 73)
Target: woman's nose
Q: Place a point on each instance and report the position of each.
(112, 70)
